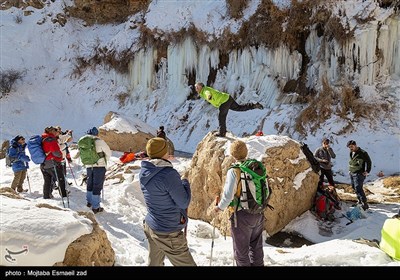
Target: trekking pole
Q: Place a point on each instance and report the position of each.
(66, 184)
(185, 229)
(29, 184)
(102, 191)
(72, 172)
(58, 181)
(213, 232)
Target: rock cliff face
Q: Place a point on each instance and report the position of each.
(94, 11)
(293, 182)
(6, 4)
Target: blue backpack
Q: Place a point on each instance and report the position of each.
(36, 150)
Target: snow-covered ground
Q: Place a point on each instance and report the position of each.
(125, 211)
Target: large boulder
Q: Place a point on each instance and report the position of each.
(92, 249)
(54, 236)
(124, 134)
(291, 178)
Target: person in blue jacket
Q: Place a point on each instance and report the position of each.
(167, 198)
(19, 162)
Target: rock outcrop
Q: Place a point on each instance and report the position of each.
(124, 134)
(292, 180)
(92, 249)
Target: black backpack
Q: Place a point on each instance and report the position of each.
(310, 157)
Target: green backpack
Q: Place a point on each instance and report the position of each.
(87, 150)
(255, 192)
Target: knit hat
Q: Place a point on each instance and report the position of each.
(156, 147)
(238, 150)
(93, 131)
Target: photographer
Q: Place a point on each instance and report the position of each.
(63, 139)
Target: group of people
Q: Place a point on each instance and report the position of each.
(55, 146)
(167, 194)
(56, 149)
(167, 197)
(360, 165)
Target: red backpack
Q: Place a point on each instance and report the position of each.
(324, 207)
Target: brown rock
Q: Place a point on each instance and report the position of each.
(4, 147)
(292, 180)
(92, 249)
(134, 140)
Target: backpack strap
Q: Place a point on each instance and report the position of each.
(101, 154)
(236, 198)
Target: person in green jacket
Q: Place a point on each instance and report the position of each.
(359, 166)
(223, 101)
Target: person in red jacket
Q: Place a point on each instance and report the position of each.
(52, 166)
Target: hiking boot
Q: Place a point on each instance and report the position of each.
(365, 206)
(98, 210)
(258, 106)
(89, 205)
(20, 191)
(220, 134)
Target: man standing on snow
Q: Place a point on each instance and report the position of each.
(167, 197)
(323, 155)
(223, 101)
(96, 173)
(359, 166)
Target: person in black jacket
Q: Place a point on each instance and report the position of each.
(324, 154)
(359, 167)
(161, 133)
